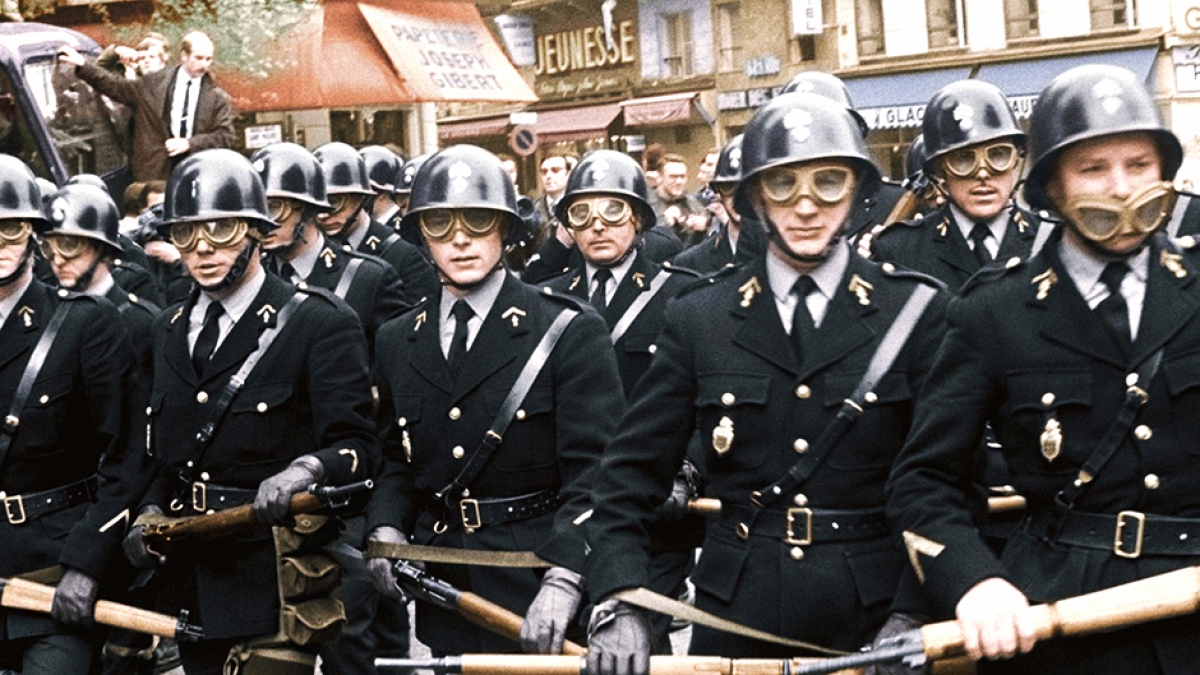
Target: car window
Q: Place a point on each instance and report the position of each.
(92, 132)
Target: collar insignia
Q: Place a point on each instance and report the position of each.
(639, 279)
(917, 546)
(1045, 281)
(514, 314)
(373, 242)
(420, 320)
(267, 312)
(861, 289)
(26, 313)
(575, 282)
(329, 257)
(941, 227)
(1022, 224)
(749, 290)
(1174, 263)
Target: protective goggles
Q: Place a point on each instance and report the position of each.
(611, 211)
(14, 232)
(725, 190)
(441, 224)
(997, 158)
(340, 202)
(824, 184)
(65, 245)
(279, 209)
(1101, 218)
(218, 233)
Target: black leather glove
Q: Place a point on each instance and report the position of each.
(136, 550)
(382, 570)
(685, 489)
(551, 612)
(895, 625)
(74, 599)
(618, 640)
(274, 498)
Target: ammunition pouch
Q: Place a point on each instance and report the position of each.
(306, 576)
(309, 578)
(313, 622)
(267, 658)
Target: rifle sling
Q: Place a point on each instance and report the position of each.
(635, 309)
(36, 360)
(881, 361)
(494, 436)
(343, 284)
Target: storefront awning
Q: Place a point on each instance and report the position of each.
(898, 101)
(1022, 81)
(575, 124)
(459, 130)
(668, 109)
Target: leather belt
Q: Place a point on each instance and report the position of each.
(802, 526)
(21, 508)
(1128, 534)
(202, 496)
(476, 513)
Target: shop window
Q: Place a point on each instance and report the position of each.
(1108, 14)
(1021, 19)
(677, 43)
(869, 21)
(944, 18)
(729, 36)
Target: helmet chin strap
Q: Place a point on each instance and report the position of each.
(20, 270)
(84, 281)
(780, 243)
(237, 269)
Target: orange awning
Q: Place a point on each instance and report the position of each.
(667, 109)
(473, 128)
(575, 124)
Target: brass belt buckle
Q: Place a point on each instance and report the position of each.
(1119, 532)
(199, 497)
(8, 509)
(471, 518)
(792, 516)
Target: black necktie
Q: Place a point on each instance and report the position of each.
(206, 342)
(1114, 309)
(599, 296)
(183, 112)
(458, 344)
(979, 234)
(803, 326)
(285, 270)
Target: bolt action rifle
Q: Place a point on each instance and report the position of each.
(35, 597)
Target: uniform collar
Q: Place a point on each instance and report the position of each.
(996, 225)
(618, 271)
(1084, 266)
(307, 259)
(782, 276)
(101, 287)
(481, 298)
(239, 301)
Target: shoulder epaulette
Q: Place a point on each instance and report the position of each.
(317, 291)
(992, 272)
(706, 280)
(681, 271)
(570, 300)
(131, 266)
(135, 301)
(891, 270)
(64, 294)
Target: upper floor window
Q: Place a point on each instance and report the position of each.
(869, 21)
(729, 36)
(1112, 14)
(1021, 19)
(944, 19)
(677, 44)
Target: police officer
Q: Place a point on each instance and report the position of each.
(301, 417)
(350, 223)
(384, 168)
(446, 368)
(404, 185)
(973, 148)
(1081, 358)
(68, 463)
(758, 359)
(729, 242)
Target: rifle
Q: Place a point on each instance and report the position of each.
(482, 612)
(707, 506)
(161, 532)
(1163, 596)
(34, 597)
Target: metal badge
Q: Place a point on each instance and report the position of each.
(722, 436)
(639, 279)
(575, 282)
(1045, 281)
(404, 441)
(942, 226)
(749, 290)
(514, 314)
(1174, 263)
(861, 289)
(1022, 224)
(420, 320)
(1052, 439)
(328, 255)
(27, 313)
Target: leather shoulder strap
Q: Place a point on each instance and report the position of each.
(631, 314)
(343, 284)
(388, 242)
(1176, 221)
(34, 366)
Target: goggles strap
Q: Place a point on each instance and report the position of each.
(237, 269)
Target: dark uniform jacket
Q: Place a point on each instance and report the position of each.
(433, 422)
(658, 243)
(309, 395)
(935, 246)
(873, 209)
(724, 360)
(715, 252)
(77, 422)
(418, 276)
(1023, 348)
(137, 314)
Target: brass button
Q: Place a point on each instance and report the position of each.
(1143, 432)
(1012, 262)
(728, 399)
(742, 531)
(204, 476)
(466, 493)
(800, 445)
(870, 397)
(133, 298)
(458, 452)
(44, 399)
(62, 293)
(889, 267)
(800, 500)
(3, 495)
(302, 286)
(403, 421)
(797, 553)
(653, 348)
(149, 410)
(1151, 481)
(520, 414)
(202, 397)
(261, 407)
(803, 392)
(455, 413)
(1048, 399)
(1131, 379)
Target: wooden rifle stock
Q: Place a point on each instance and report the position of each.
(34, 597)
(707, 506)
(533, 664)
(905, 208)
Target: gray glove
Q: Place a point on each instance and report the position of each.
(618, 640)
(74, 599)
(382, 570)
(896, 624)
(551, 612)
(685, 489)
(274, 498)
(134, 544)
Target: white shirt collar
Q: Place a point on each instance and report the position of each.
(307, 258)
(239, 301)
(996, 225)
(618, 272)
(481, 298)
(828, 276)
(1085, 267)
(101, 287)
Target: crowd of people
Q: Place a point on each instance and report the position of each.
(849, 373)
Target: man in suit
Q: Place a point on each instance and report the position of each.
(1084, 361)
(729, 243)
(70, 463)
(302, 415)
(757, 359)
(178, 111)
(445, 369)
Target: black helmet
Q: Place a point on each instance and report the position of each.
(608, 172)
(83, 210)
(914, 165)
(965, 113)
(345, 170)
(215, 184)
(288, 170)
(729, 163)
(829, 86)
(464, 176)
(409, 173)
(46, 187)
(799, 128)
(1087, 102)
(88, 179)
(383, 167)
(20, 197)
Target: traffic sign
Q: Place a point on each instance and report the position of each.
(523, 140)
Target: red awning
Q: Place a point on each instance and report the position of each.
(473, 128)
(575, 124)
(667, 109)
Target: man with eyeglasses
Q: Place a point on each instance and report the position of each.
(497, 399)
(674, 206)
(1082, 359)
(973, 149)
(765, 362)
(71, 462)
(261, 390)
(349, 222)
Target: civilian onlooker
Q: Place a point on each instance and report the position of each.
(674, 206)
(652, 163)
(132, 205)
(704, 173)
